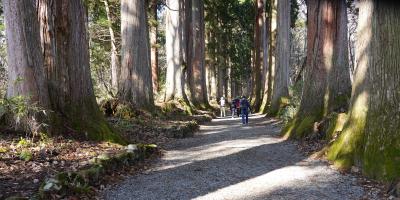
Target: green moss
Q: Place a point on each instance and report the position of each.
(340, 102)
(381, 155)
(275, 110)
(92, 124)
(26, 155)
(168, 107)
(3, 150)
(187, 107)
(93, 174)
(284, 101)
(305, 127)
(263, 107)
(289, 128)
(300, 127)
(346, 150)
(336, 124)
(125, 111)
(66, 184)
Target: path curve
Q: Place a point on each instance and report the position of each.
(226, 160)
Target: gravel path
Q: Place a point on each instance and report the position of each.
(226, 160)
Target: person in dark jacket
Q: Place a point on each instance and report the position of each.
(233, 107)
(245, 108)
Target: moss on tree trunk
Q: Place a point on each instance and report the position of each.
(65, 49)
(371, 137)
(327, 85)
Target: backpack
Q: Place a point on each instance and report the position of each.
(237, 103)
(243, 103)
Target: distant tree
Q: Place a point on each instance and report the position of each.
(266, 57)
(115, 64)
(272, 54)
(258, 54)
(174, 85)
(153, 9)
(196, 55)
(229, 47)
(281, 78)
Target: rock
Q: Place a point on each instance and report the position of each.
(35, 180)
(83, 163)
(392, 197)
(131, 148)
(355, 169)
(394, 190)
(103, 156)
(397, 190)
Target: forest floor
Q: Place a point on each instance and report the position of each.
(226, 160)
(26, 162)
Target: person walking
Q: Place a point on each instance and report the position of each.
(233, 108)
(245, 108)
(222, 106)
(237, 105)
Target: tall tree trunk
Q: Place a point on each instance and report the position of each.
(266, 65)
(213, 74)
(154, 45)
(65, 49)
(114, 53)
(327, 84)
(228, 79)
(209, 65)
(196, 55)
(173, 46)
(265, 43)
(26, 76)
(371, 136)
(272, 52)
(281, 79)
(220, 72)
(213, 82)
(258, 55)
(135, 83)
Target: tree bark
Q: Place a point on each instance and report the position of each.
(220, 71)
(135, 83)
(210, 60)
(327, 85)
(272, 53)
(66, 54)
(371, 135)
(213, 73)
(115, 66)
(26, 76)
(174, 86)
(154, 46)
(266, 60)
(196, 55)
(258, 55)
(281, 79)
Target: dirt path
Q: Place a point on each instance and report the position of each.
(226, 160)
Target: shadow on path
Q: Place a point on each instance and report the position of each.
(226, 160)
